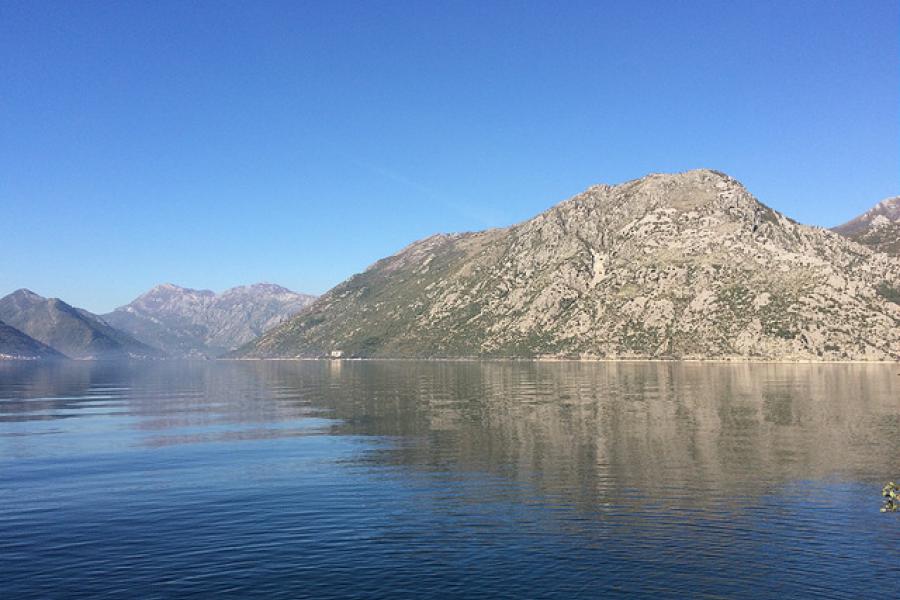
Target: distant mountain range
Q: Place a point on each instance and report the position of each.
(688, 265)
(71, 331)
(167, 321)
(878, 228)
(186, 322)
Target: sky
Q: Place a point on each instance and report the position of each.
(214, 144)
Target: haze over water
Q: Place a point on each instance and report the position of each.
(447, 479)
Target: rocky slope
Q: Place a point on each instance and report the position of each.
(685, 265)
(878, 228)
(72, 331)
(16, 345)
(186, 322)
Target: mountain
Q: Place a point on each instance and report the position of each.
(186, 322)
(878, 228)
(73, 331)
(688, 265)
(16, 345)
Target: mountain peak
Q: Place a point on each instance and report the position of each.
(27, 294)
(167, 287)
(171, 288)
(652, 207)
(262, 287)
(23, 299)
(889, 208)
(877, 228)
(169, 292)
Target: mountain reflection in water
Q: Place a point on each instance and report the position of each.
(405, 478)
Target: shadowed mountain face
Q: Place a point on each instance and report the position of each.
(878, 228)
(186, 322)
(73, 331)
(16, 345)
(686, 265)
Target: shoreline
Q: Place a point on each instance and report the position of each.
(724, 360)
(471, 359)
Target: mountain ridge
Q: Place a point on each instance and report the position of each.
(201, 323)
(686, 265)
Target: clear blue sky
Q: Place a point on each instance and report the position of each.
(212, 144)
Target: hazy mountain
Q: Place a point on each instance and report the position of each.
(16, 345)
(73, 331)
(685, 265)
(186, 322)
(878, 228)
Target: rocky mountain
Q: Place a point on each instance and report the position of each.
(186, 322)
(688, 265)
(878, 228)
(72, 331)
(16, 345)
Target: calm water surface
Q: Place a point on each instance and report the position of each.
(440, 480)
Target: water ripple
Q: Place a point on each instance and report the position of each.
(451, 480)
